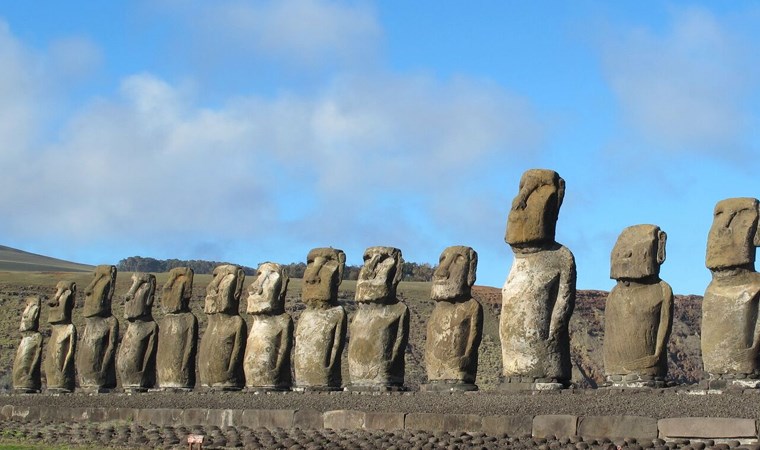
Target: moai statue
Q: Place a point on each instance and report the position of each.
(97, 351)
(136, 360)
(321, 329)
(539, 295)
(177, 333)
(639, 312)
(220, 360)
(26, 366)
(455, 327)
(380, 328)
(270, 338)
(730, 328)
(59, 356)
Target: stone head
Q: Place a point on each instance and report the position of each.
(533, 216)
(455, 274)
(138, 302)
(734, 233)
(177, 291)
(267, 292)
(380, 275)
(638, 253)
(323, 275)
(30, 318)
(62, 303)
(98, 294)
(223, 293)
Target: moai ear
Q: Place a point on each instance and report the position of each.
(284, 288)
(662, 237)
(560, 191)
(473, 268)
(240, 277)
(152, 296)
(341, 265)
(399, 267)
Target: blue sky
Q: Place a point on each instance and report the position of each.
(254, 131)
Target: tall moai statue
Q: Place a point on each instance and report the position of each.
(26, 365)
(730, 328)
(220, 357)
(61, 348)
(539, 295)
(136, 360)
(321, 329)
(380, 328)
(270, 338)
(455, 327)
(638, 316)
(177, 333)
(97, 350)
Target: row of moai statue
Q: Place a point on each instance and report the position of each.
(538, 299)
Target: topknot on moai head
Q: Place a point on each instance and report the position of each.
(267, 292)
(62, 303)
(223, 293)
(380, 275)
(98, 294)
(138, 302)
(455, 275)
(30, 318)
(638, 252)
(534, 212)
(734, 233)
(177, 291)
(323, 275)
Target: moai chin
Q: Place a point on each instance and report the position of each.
(270, 338)
(730, 329)
(455, 327)
(638, 316)
(97, 351)
(539, 294)
(321, 329)
(177, 333)
(380, 327)
(61, 348)
(26, 365)
(136, 360)
(220, 357)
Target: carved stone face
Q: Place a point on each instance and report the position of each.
(30, 319)
(455, 274)
(139, 300)
(734, 233)
(533, 217)
(223, 293)
(98, 294)
(380, 275)
(63, 303)
(177, 291)
(267, 292)
(638, 252)
(323, 275)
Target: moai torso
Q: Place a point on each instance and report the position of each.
(26, 365)
(270, 337)
(177, 333)
(136, 360)
(539, 294)
(321, 331)
(61, 348)
(97, 350)
(220, 359)
(380, 328)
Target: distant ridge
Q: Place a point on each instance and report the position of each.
(14, 260)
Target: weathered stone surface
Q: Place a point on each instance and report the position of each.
(177, 333)
(707, 427)
(343, 419)
(455, 327)
(512, 426)
(539, 294)
(380, 327)
(271, 418)
(321, 329)
(220, 358)
(639, 312)
(61, 348)
(270, 337)
(424, 421)
(136, 360)
(97, 350)
(384, 421)
(462, 422)
(558, 425)
(730, 333)
(26, 365)
(617, 427)
(308, 419)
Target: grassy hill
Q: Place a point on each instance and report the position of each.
(13, 260)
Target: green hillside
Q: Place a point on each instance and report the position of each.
(14, 260)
